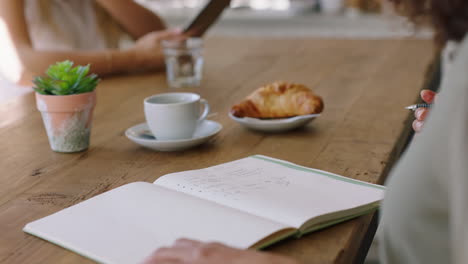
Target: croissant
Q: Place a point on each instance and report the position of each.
(279, 100)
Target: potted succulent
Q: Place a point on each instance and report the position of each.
(66, 98)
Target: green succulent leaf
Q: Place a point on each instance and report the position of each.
(64, 79)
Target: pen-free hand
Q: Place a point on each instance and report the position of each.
(194, 252)
(147, 50)
(421, 113)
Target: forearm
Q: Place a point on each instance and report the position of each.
(20, 62)
(102, 62)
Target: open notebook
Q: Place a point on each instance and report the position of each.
(248, 203)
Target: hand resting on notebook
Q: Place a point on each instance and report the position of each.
(194, 252)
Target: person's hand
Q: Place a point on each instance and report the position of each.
(421, 113)
(147, 49)
(186, 251)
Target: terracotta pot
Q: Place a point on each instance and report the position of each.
(67, 120)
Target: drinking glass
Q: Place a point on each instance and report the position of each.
(184, 62)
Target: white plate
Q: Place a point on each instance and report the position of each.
(274, 125)
(141, 135)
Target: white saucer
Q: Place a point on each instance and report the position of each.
(274, 125)
(141, 135)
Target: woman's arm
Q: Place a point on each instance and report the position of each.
(20, 61)
(134, 18)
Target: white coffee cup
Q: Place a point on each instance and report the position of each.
(172, 116)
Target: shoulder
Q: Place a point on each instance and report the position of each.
(455, 67)
(456, 53)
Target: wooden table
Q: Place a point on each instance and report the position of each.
(365, 85)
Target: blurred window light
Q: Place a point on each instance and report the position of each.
(253, 4)
(264, 4)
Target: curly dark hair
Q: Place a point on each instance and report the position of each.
(449, 18)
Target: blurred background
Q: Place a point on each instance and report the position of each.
(357, 19)
(294, 18)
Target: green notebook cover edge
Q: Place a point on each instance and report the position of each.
(334, 222)
(298, 234)
(293, 233)
(320, 172)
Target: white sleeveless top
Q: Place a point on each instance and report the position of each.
(71, 24)
(67, 25)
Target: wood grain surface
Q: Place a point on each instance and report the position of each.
(365, 85)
